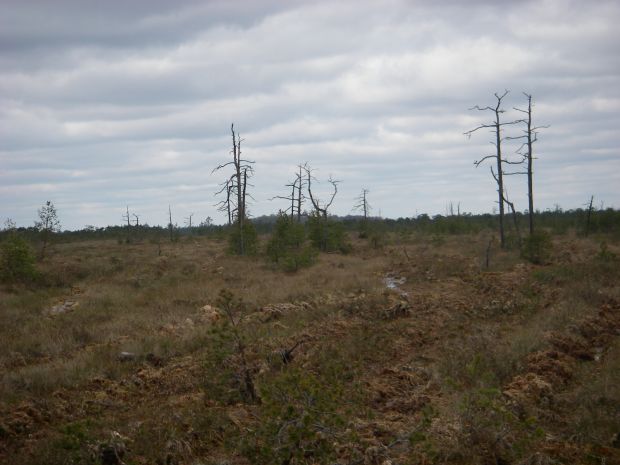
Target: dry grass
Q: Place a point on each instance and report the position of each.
(131, 299)
(434, 375)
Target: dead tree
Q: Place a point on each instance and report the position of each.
(290, 198)
(170, 224)
(496, 128)
(137, 218)
(362, 204)
(526, 150)
(242, 171)
(227, 205)
(321, 210)
(188, 221)
(320, 229)
(589, 215)
(300, 186)
(511, 205)
(450, 209)
(296, 198)
(127, 217)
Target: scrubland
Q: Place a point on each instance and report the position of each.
(131, 353)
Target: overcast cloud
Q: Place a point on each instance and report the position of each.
(108, 104)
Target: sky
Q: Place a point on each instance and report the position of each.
(108, 105)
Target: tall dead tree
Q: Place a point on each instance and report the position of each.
(227, 205)
(296, 197)
(530, 136)
(589, 215)
(511, 205)
(362, 204)
(127, 217)
(242, 171)
(320, 209)
(496, 129)
(170, 224)
(188, 222)
(321, 230)
(300, 187)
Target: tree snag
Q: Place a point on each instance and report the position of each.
(496, 128)
(526, 150)
(236, 185)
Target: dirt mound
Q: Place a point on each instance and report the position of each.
(547, 371)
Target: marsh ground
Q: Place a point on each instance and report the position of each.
(126, 355)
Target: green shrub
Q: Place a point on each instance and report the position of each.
(299, 422)
(250, 239)
(287, 245)
(605, 254)
(228, 375)
(537, 248)
(16, 261)
(327, 235)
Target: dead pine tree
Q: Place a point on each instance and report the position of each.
(299, 184)
(362, 204)
(227, 205)
(589, 216)
(496, 129)
(364, 208)
(137, 219)
(511, 205)
(170, 224)
(188, 222)
(127, 217)
(296, 198)
(530, 136)
(320, 209)
(320, 231)
(242, 171)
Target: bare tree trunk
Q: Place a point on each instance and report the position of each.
(500, 175)
(294, 186)
(170, 226)
(242, 170)
(299, 194)
(487, 260)
(126, 217)
(589, 216)
(514, 219)
(496, 127)
(240, 188)
(530, 137)
(228, 204)
(530, 174)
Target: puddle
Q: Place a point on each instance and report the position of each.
(394, 283)
(62, 307)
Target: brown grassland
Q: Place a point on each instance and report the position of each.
(514, 364)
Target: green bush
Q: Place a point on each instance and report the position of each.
(537, 248)
(287, 245)
(16, 261)
(299, 422)
(229, 377)
(327, 235)
(250, 239)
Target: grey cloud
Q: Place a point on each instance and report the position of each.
(104, 104)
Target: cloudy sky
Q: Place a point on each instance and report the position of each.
(108, 104)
